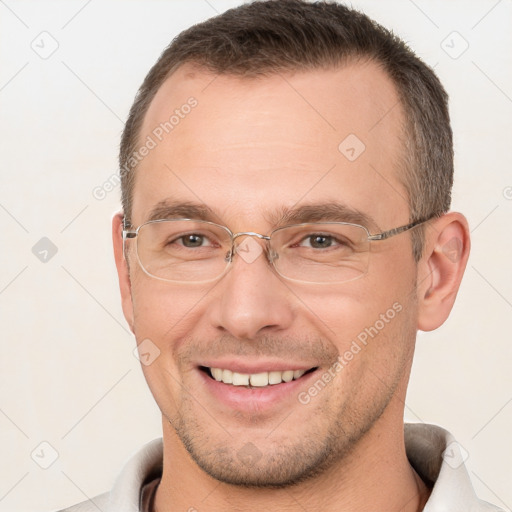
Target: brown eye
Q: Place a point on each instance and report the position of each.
(320, 241)
(193, 240)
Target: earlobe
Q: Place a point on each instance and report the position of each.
(122, 269)
(441, 268)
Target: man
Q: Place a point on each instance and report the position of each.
(286, 174)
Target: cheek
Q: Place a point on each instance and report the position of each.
(375, 347)
(163, 318)
(344, 312)
(370, 322)
(164, 312)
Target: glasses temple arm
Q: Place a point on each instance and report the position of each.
(401, 229)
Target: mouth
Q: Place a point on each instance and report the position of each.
(259, 388)
(261, 379)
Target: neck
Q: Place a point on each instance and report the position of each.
(375, 475)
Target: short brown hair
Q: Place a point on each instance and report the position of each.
(266, 37)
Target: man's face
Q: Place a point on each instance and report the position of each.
(251, 150)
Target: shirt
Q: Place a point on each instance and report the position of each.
(431, 450)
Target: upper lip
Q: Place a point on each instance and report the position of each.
(248, 367)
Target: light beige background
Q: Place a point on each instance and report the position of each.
(69, 376)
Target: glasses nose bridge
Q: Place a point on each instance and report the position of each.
(235, 236)
(249, 233)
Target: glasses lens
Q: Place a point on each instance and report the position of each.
(321, 253)
(183, 250)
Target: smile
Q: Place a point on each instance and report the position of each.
(260, 379)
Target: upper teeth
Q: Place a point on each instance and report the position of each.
(255, 379)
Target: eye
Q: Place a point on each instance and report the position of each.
(192, 240)
(320, 241)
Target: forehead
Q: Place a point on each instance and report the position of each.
(246, 146)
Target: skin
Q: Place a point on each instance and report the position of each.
(250, 149)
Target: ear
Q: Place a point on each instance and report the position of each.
(440, 270)
(122, 268)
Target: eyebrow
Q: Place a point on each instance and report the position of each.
(168, 209)
(323, 212)
(316, 212)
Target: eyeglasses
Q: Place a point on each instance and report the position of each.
(196, 251)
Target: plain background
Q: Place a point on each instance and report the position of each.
(69, 376)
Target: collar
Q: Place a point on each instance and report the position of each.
(439, 460)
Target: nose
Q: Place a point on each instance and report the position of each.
(252, 299)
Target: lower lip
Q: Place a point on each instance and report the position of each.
(257, 399)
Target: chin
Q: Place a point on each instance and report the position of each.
(258, 463)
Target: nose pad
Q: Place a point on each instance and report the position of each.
(272, 255)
